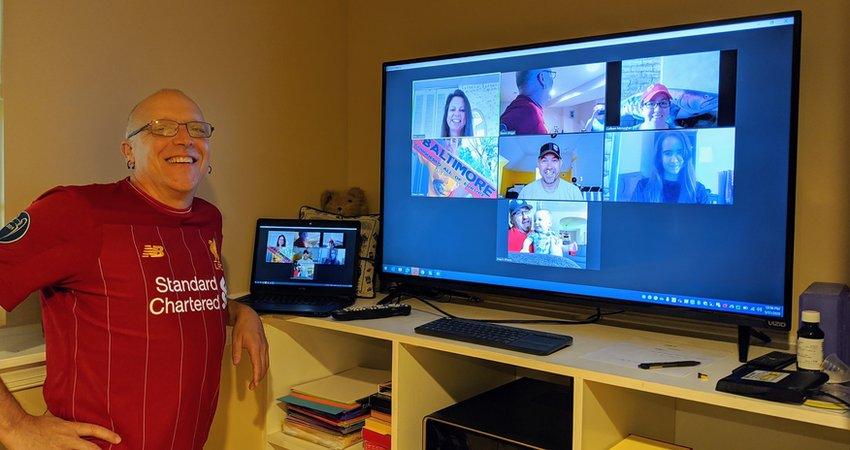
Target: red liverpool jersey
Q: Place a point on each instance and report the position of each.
(133, 304)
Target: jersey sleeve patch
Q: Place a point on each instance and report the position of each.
(16, 229)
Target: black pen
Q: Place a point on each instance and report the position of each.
(659, 365)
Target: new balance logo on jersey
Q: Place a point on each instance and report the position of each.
(153, 251)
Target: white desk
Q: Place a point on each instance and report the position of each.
(610, 401)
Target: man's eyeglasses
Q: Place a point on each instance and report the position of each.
(169, 128)
(661, 104)
(551, 73)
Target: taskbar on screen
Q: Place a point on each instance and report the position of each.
(708, 304)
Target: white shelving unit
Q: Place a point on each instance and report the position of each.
(610, 401)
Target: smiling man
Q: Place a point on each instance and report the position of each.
(519, 216)
(550, 186)
(133, 295)
(169, 169)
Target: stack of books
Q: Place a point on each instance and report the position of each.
(331, 411)
(377, 430)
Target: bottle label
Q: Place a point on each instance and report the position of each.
(809, 353)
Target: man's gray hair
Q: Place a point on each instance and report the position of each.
(524, 77)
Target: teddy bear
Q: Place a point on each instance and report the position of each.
(345, 203)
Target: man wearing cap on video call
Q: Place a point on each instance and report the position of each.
(550, 186)
(133, 296)
(520, 219)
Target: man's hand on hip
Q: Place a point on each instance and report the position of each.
(248, 335)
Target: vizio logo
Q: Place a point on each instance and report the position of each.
(16, 229)
(776, 323)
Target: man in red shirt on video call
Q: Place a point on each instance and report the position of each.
(524, 115)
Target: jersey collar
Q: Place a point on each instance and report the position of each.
(156, 203)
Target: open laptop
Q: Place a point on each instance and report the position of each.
(304, 267)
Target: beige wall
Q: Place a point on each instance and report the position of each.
(388, 30)
(287, 91)
(289, 84)
(240, 416)
(270, 75)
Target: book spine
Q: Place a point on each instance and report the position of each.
(368, 445)
(378, 438)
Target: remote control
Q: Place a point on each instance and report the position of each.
(773, 360)
(371, 312)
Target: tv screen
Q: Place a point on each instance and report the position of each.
(651, 170)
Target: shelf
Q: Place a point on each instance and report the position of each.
(21, 346)
(610, 400)
(281, 440)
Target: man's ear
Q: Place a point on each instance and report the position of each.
(127, 150)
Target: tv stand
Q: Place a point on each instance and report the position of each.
(744, 333)
(610, 400)
(428, 293)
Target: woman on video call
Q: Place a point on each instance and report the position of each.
(280, 253)
(457, 115)
(672, 178)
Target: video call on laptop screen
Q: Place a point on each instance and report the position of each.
(305, 256)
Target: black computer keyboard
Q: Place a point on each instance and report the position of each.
(483, 333)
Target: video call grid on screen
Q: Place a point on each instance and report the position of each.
(458, 151)
(314, 256)
(648, 224)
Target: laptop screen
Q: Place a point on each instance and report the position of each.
(301, 253)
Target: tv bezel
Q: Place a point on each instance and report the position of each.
(527, 294)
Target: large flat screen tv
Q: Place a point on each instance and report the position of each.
(650, 170)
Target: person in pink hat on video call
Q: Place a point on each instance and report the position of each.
(655, 108)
